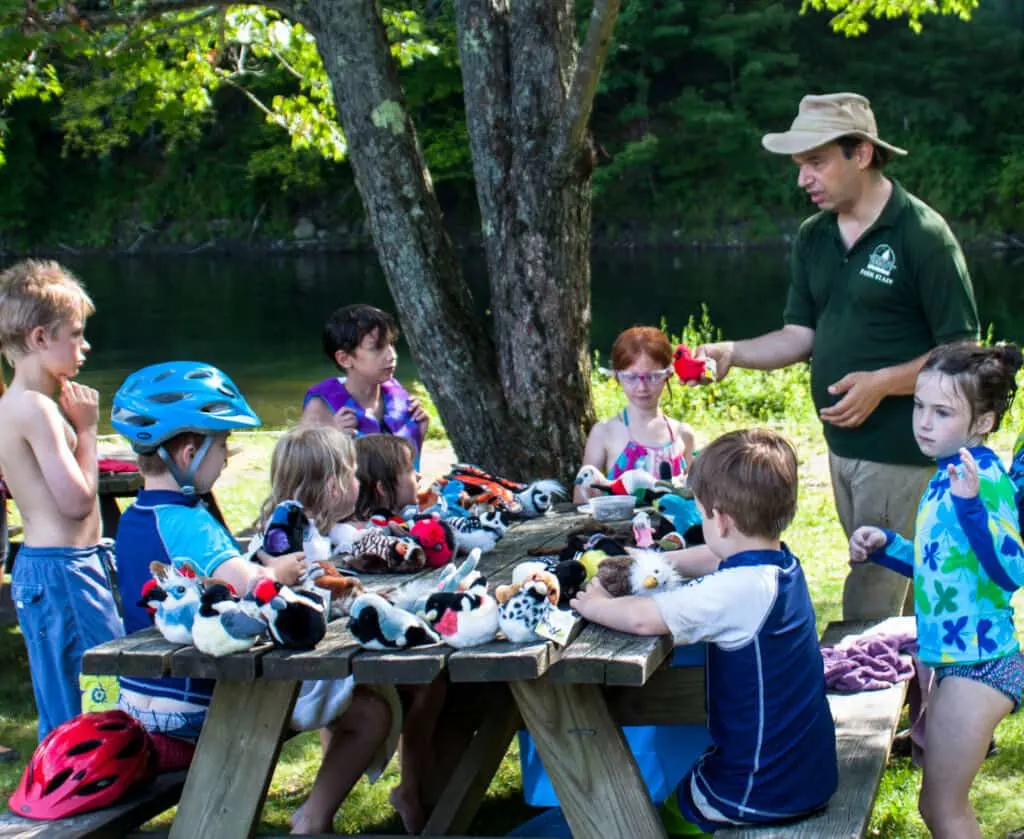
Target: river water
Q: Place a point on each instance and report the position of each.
(259, 318)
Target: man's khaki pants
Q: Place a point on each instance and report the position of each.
(882, 495)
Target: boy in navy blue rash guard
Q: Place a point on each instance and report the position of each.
(773, 753)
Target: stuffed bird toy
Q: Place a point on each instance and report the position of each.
(463, 618)
(173, 598)
(338, 589)
(436, 537)
(683, 515)
(640, 573)
(378, 552)
(539, 497)
(524, 605)
(286, 530)
(481, 531)
(296, 619)
(380, 625)
(224, 624)
(643, 533)
(639, 483)
(690, 369)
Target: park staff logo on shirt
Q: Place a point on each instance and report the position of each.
(881, 264)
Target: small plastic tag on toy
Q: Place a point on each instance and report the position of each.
(711, 369)
(557, 625)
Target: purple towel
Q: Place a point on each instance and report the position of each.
(869, 663)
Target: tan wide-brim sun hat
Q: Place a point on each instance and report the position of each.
(822, 119)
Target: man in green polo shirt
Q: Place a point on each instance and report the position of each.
(878, 280)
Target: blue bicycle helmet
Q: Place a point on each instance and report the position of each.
(161, 401)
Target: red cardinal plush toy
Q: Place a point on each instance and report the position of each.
(688, 368)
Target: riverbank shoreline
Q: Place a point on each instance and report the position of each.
(656, 241)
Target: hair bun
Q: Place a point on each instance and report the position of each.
(1011, 356)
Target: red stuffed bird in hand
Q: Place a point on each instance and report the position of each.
(690, 369)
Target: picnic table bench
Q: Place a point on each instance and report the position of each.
(571, 699)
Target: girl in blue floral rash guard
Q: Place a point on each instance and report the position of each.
(966, 561)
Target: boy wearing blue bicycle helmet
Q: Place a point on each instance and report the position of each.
(178, 416)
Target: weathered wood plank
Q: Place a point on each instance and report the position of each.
(144, 653)
(673, 696)
(637, 659)
(331, 659)
(234, 760)
(585, 755)
(160, 794)
(242, 667)
(865, 723)
(585, 660)
(464, 792)
(420, 665)
(500, 661)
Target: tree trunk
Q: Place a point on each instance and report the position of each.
(518, 404)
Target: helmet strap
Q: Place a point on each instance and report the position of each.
(186, 478)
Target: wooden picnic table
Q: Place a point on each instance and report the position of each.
(571, 699)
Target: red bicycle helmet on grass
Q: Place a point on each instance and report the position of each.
(84, 764)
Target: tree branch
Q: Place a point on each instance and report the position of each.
(580, 101)
(129, 43)
(99, 18)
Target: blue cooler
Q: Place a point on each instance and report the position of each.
(664, 753)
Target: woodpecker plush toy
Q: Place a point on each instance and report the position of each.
(172, 597)
(463, 618)
(380, 625)
(224, 624)
(523, 605)
(690, 369)
(296, 619)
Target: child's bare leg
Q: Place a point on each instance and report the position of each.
(355, 737)
(962, 715)
(415, 755)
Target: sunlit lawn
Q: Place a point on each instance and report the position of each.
(815, 536)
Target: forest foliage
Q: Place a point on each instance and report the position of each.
(218, 124)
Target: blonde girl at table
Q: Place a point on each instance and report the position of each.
(640, 436)
(359, 724)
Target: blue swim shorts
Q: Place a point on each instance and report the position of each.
(65, 606)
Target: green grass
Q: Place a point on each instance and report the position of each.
(752, 398)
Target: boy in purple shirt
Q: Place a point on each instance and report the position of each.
(360, 339)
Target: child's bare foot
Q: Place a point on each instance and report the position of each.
(304, 826)
(409, 808)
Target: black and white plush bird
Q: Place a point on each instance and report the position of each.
(380, 625)
(539, 497)
(482, 531)
(224, 624)
(296, 619)
(463, 618)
